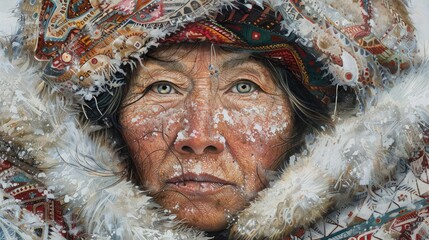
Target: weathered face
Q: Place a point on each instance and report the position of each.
(202, 143)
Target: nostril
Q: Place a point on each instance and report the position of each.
(210, 149)
(187, 149)
(199, 146)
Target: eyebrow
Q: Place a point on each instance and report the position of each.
(170, 65)
(232, 63)
(180, 67)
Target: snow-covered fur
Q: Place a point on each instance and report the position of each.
(14, 219)
(88, 174)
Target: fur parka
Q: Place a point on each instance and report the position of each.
(368, 177)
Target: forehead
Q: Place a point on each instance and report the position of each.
(196, 60)
(197, 52)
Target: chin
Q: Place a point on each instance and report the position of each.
(209, 222)
(211, 213)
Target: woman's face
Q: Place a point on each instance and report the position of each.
(203, 141)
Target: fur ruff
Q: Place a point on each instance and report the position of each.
(89, 176)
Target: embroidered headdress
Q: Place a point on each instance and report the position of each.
(323, 43)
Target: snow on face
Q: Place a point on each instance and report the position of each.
(248, 121)
(204, 142)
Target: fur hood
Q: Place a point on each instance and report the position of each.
(85, 172)
(88, 175)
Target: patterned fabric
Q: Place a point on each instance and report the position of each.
(398, 210)
(350, 43)
(84, 41)
(22, 188)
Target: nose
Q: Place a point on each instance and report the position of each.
(199, 135)
(199, 144)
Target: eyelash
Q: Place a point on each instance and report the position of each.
(156, 87)
(235, 87)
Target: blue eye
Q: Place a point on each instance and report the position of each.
(163, 88)
(244, 87)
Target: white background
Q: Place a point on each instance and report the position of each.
(7, 21)
(418, 8)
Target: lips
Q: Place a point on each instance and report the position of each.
(197, 183)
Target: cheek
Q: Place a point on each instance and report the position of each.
(256, 126)
(145, 124)
(148, 132)
(256, 136)
(149, 119)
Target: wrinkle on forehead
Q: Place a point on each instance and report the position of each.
(170, 65)
(172, 54)
(195, 62)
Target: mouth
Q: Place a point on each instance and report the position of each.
(197, 184)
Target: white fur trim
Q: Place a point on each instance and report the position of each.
(301, 195)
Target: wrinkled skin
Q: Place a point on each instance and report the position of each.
(202, 143)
